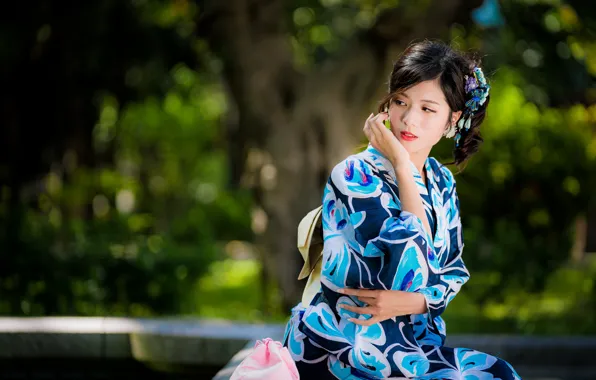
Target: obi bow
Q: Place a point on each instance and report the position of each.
(310, 245)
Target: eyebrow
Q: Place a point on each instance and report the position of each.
(424, 100)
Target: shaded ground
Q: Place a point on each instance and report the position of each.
(58, 369)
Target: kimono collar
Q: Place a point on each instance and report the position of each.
(431, 199)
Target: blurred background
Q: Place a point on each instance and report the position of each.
(156, 156)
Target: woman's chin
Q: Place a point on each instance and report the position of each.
(406, 143)
(410, 146)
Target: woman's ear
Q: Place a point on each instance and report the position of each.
(455, 117)
(451, 127)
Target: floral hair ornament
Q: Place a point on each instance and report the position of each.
(477, 90)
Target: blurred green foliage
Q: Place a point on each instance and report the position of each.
(132, 237)
(521, 193)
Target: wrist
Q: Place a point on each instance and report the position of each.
(408, 302)
(401, 167)
(419, 304)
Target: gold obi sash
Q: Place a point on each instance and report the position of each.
(310, 245)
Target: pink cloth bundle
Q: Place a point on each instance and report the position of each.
(269, 360)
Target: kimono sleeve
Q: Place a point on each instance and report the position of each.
(391, 242)
(453, 274)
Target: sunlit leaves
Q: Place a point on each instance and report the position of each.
(179, 14)
(303, 16)
(568, 18)
(104, 130)
(321, 28)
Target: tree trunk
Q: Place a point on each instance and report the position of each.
(290, 128)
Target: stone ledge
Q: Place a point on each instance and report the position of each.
(50, 345)
(533, 351)
(184, 344)
(169, 342)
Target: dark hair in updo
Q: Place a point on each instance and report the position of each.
(428, 60)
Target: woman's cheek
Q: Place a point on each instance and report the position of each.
(429, 136)
(438, 127)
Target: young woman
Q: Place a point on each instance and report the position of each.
(392, 253)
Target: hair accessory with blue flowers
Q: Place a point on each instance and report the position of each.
(477, 90)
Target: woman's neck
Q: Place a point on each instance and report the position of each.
(419, 159)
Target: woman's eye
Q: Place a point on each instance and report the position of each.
(400, 103)
(427, 110)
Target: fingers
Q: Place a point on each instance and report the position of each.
(364, 322)
(366, 123)
(380, 129)
(359, 292)
(368, 296)
(375, 136)
(372, 119)
(368, 300)
(356, 309)
(375, 130)
(380, 118)
(367, 129)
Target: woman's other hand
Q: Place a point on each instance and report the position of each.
(384, 304)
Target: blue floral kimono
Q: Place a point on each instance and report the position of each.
(370, 243)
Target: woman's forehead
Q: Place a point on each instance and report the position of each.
(429, 90)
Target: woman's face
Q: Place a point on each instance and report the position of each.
(420, 115)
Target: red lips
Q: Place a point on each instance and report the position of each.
(408, 136)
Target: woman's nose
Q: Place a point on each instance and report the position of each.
(410, 119)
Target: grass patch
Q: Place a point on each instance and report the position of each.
(231, 290)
